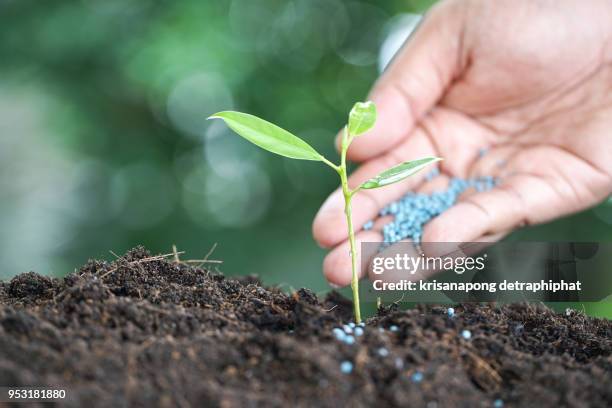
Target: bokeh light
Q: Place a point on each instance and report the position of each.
(365, 34)
(196, 97)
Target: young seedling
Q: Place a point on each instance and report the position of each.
(277, 140)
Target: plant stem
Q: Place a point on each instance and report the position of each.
(355, 277)
(348, 195)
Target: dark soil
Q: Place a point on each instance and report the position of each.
(161, 333)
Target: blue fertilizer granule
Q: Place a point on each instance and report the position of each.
(417, 377)
(346, 367)
(414, 210)
(383, 352)
(498, 403)
(339, 334)
(450, 312)
(350, 340)
(466, 334)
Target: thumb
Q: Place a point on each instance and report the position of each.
(415, 80)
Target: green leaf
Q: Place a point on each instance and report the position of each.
(398, 173)
(361, 118)
(268, 136)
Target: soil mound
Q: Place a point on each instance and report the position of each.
(147, 331)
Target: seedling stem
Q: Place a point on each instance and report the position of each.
(348, 195)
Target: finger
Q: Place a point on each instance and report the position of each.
(460, 249)
(479, 214)
(337, 266)
(520, 200)
(414, 81)
(329, 226)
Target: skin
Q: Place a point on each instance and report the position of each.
(529, 80)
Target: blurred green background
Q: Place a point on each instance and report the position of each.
(104, 143)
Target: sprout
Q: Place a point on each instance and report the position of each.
(277, 140)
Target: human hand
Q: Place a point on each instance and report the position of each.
(529, 81)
